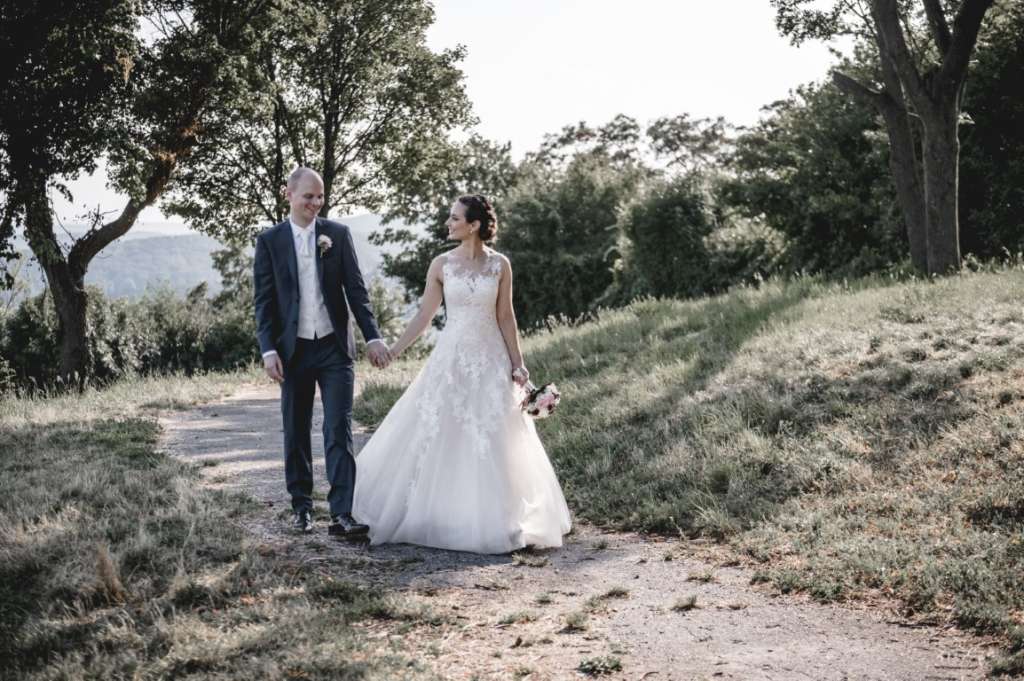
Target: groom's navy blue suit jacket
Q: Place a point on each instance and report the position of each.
(276, 288)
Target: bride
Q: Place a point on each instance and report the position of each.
(456, 464)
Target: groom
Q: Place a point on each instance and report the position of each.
(305, 269)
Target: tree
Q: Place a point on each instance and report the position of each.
(559, 229)
(64, 82)
(666, 229)
(618, 141)
(348, 87)
(992, 159)
(920, 79)
(814, 169)
(557, 213)
(476, 166)
(688, 144)
(80, 83)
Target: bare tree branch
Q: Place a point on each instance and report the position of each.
(893, 42)
(95, 240)
(965, 35)
(937, 23)
(858, 90)
(910, 36)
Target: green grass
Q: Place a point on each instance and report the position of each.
(853, 439)
(381, 389)
(114, 563)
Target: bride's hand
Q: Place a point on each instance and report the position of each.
(521, 376)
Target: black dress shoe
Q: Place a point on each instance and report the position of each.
(303, 520)
(345, 525)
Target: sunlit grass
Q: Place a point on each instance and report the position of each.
(122, 398)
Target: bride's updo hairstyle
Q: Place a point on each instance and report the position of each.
(479, 208)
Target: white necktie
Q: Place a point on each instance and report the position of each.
(304, 246)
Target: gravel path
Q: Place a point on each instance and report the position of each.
(508, 614)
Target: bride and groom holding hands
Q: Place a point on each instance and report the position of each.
(455, 464)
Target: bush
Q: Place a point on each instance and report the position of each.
(672, 243)
(159, 333)
(388, 308)
(7, 378)
(30, 341)
(667, 230)
(742, 253)
(558, 229)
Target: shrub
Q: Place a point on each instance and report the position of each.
(666, 232)
(157, 334)
(742, 253)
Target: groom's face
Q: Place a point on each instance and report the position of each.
(306, 199)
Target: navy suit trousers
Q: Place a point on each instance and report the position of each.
(319, 362)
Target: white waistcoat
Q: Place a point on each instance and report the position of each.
(314, 321)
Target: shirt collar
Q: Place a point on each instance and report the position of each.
(300, 231)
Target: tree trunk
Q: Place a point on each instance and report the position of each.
(936, 99)
(903, 162)
(75, 358)
(906, 175)
(328, 171)
(941, 156)
(66, 285)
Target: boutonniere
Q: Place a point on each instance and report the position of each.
(324, 243)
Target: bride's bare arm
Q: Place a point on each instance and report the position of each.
(507, 321)
(431, 300)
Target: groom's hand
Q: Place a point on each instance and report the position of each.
(272, 365)
(379, 355)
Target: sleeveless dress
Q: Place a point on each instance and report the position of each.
(456, 464)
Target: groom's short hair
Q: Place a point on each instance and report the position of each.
(298, 174)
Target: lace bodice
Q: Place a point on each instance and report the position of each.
(471, 295)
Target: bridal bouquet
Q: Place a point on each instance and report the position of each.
(541, 402)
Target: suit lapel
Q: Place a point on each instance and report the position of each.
(317, 231)
(286, 242)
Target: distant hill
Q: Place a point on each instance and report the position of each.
(168, 254)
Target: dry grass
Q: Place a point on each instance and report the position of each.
(574, 622)
(599, 666)
(115, 564)
(685, 604)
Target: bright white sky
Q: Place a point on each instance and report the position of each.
(534, 66)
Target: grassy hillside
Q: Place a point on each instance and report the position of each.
(850, 439)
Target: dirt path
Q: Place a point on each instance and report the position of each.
(510, 612)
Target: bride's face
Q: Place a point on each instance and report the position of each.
(458, 228)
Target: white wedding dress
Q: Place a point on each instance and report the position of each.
(456, 464)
